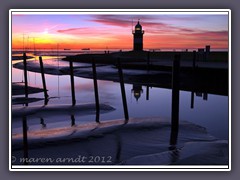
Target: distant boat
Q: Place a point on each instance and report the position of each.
(66, 49)
(86, 49)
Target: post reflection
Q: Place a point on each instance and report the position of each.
(175, 107)
(192, 100)
(25, 138)
(72, 83)
(137, 90)
(25, 77)
(120, 73)
(96, 91)
(73, 123)
(46, 100)
(43, 79)
(119, 149)
(147, 93)
(43, 123)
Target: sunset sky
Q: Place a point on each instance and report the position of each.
(115, 31)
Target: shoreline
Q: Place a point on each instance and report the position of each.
(206, 77)
(142, 56)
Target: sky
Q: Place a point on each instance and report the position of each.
(101, 31)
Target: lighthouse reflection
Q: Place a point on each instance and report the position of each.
(137, 91)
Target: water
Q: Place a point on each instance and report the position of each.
(211, 113)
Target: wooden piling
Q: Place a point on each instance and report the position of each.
(120, 73)
(147, 93)
(192, 100)
(96, 90)
(43, 79)
(148, 60)
(119, 148)
(194, 59)
(73, 120)
(193, 77)
(46, 101)
(207, 52)
(42, 123)
(72, 83)
(175, 100)
(205, 96)
(25, 138)
(25, 76)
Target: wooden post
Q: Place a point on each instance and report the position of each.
(120, 73)
(96, 90)
(175, 100)
(148, 60)
(147, 93)
(194, 59)
(193, 77)
(192, 100)
(43, 79)
(205, 96)
(73, 120)
(119, 148)
(46, 101)
(25, 76)
(207, 52)
(42, 123)
(72, 83)
(25, 138)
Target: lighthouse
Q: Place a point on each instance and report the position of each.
(138, 37)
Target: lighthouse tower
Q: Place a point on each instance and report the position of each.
(138, 37)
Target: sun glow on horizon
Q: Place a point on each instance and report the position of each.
(115, 31)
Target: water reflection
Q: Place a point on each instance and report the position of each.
(43, 80)
(137, 90)
(72, 83)
(96, 91)
(124, 100)
(73, 120)
(203, 95)
(42, 122)
(175, 101)
(192, 100)
(25, 138)
(25, 76)
(147, 93)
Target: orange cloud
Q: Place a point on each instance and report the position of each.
(115, 31)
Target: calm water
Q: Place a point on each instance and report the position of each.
(211, 113)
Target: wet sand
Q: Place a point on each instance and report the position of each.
(140, 141)
(19, 89)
